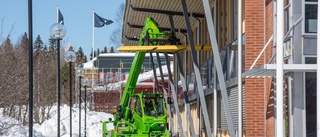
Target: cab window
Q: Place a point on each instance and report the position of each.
(137, 106)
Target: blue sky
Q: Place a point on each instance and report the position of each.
(77, 20)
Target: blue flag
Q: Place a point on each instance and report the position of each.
(60, 17)
(100, 22)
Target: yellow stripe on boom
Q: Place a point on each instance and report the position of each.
(162, 48)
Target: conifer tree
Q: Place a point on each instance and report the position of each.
(105, 50)
(38, 44)
(81, 57)
(98, 52)
(112, 50)
(52, 44)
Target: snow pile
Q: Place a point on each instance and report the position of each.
(49, 128)
(10, 127)
(142, 77)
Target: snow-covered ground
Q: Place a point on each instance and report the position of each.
(13, 128)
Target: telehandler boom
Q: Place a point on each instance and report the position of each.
(141, 114)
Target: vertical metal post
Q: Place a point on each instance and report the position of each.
(274, 4)
(290, 81)
(185, 92)
(217, 62)
(279, 70)
(231, 62)
(154, 73)
(239, 68)
(79, 106)
(58, 88)
(215, 97)
(227, 60)
(70, 77)
(92, 50)
(30, 69)
(85, 110)
(165, 93)
(318, 74)
(174, 94)
(215, 103)
(184, 83)
(196, 70)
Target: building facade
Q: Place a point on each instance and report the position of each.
(259, 33)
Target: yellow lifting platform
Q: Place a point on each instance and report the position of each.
(163, 48)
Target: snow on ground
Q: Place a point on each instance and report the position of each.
(13, 128)
(49, 128)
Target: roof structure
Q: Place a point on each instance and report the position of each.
(89, 64)
(137, 11)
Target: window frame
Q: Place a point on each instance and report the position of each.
(304, 17)
(137, 105)
(304, 115)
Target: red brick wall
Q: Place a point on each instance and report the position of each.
(106, 101)
(109, 100)
(269, 86)
(258, 31)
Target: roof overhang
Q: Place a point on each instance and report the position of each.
(136, 11)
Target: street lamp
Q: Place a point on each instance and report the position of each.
(57, 32)
(79, 73)
(85, 83)
(70, 57)
(30, 68)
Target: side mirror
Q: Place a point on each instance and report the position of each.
(169, 100)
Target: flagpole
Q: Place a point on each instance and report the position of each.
(92, 49)
(58, 14)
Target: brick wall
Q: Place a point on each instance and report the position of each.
(106, 101)
(109, 100)
(258, 96)
(269, 86)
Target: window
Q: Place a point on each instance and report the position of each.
(137, 107)
(311, 10)
(153, 106)
(311, 97)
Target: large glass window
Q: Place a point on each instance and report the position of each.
(311, 7)
(311, 99)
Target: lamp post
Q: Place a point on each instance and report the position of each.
(85, 83)
(70, 57)
(30, 68)
(79, 73)
(57, 32)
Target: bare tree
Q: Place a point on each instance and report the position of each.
(13, 79)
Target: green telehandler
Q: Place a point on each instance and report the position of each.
(141, 114)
